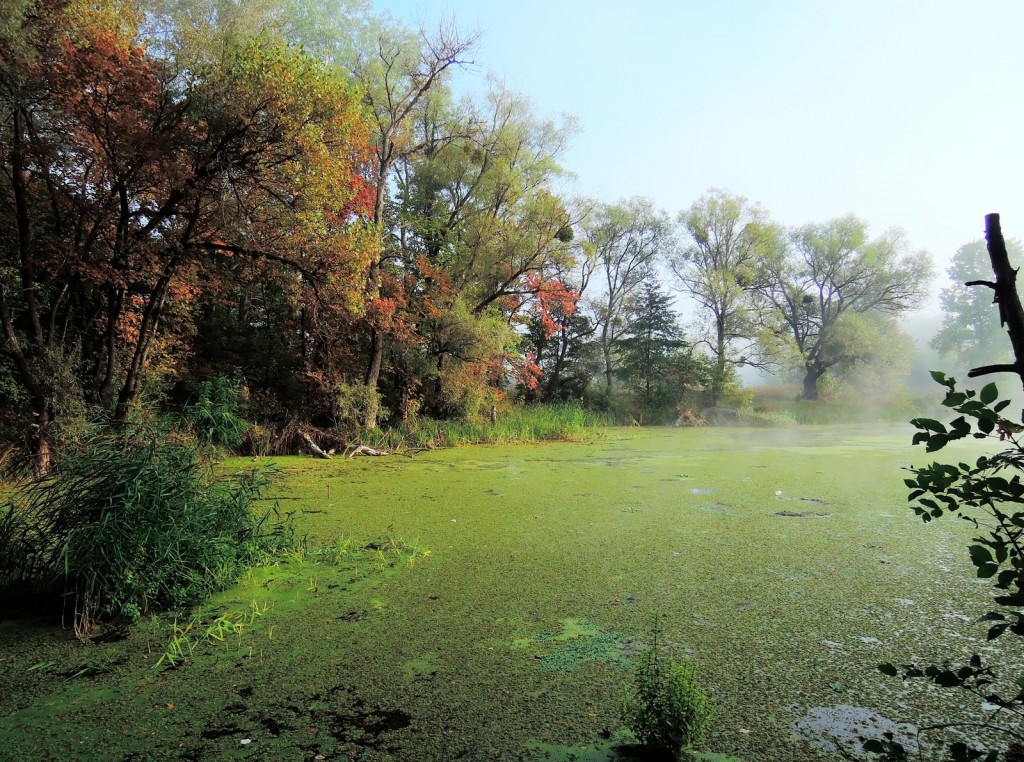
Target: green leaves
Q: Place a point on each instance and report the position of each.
(981, 557)
(988, 394)
(990, 494)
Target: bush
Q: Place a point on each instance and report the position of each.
(350, 404)
(988, 494)
(133, 522)
(214, 416)
(667, 710)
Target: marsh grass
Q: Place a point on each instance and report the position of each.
(519, 425)
(781, 405)
(197, 631)
(135, 521)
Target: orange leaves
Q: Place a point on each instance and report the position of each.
(525, 370)
(553, 301)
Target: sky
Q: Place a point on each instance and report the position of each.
(905, 113)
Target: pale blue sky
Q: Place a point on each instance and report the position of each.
(906, 113)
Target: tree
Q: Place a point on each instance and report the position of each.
(823, 293)
(970, 330)
(561, 340)
(730, 237)
(398, 75)
(476, 216)
(624, 240)
(127, 182)
(649, 347)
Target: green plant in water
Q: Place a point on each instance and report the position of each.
(667, 709)
(187, 639)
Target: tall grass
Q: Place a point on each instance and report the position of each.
(131, 522)
(521, 424)
(781, 404)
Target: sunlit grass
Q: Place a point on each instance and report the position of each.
(522, 424)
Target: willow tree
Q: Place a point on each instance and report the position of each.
(729, 240)
(482, 231)
(834, 293)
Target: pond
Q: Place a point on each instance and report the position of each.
(502, 622)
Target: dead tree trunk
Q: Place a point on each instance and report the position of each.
(312, 446)
(1011, 314)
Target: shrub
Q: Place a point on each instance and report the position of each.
(214, 416)
(133, 522)
(667, 710)
(350, 404)
(987, 493)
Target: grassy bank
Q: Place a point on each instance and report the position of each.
(781, 404)
(786, 564)
(520, 424)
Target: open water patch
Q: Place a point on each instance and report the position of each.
(843, 730)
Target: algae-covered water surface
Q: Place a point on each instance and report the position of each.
(486, 603)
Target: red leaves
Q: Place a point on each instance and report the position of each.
(525, 371)
(553, 301)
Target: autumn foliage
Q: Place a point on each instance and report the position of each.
(240, 206)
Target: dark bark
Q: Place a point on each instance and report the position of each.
(1011, 314)
(718, 379)
(811, 384)
(607, 351)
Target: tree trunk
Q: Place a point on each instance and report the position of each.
(718, 379)
(371, 378)
(41, 453)
(607, 350)
(811, 382)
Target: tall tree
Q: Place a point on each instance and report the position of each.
(649, 347)
(398, 75)
(824, 292)
(477, 212)
(729, 238)
(624, 240)
(970, 329)
(124, 179)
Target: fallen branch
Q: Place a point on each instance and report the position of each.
(313, 448)
(364, 450)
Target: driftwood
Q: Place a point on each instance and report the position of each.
(313, 448)
(689, 418)
(364, 450)
(1011, 314)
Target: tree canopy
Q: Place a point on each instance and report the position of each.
(292, 198)
(970, 332)
(729, 238)
(826, 294)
